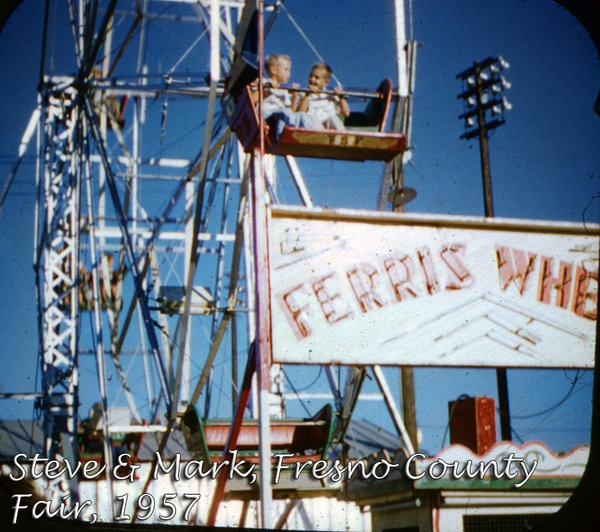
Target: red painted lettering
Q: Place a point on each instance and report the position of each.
(451, 255)
(514, 265)
(362, 281)
(295, 309)
(431, 281)
(399, 272)
(585, 293)
(561, 283)
(291, 242)
(331, 302)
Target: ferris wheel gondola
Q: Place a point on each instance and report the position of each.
(363, 139)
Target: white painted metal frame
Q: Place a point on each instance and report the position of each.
(118, 219)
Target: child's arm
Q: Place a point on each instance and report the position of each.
(295, 97)
(254, 92)
(303, 105)
(344, 109)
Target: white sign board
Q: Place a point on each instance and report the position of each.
(358, 287)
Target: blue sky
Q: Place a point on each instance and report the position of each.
(544, 162)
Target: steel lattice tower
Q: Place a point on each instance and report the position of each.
(145, 244)
(116, 224)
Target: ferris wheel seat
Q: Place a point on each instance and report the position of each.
(364, 139)
(376, 112)
(349, 145)
(108, 283)
(115, 110)
(307, 438)
(171, 300)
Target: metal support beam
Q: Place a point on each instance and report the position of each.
(133, 261)
(395, 413)
(29, 131)
(232, 294)
(236, 425)
(263, 337)
(58, 271)
(260, 227)
(298, 180)
(356, 376)
(98, 335)
(289, 508)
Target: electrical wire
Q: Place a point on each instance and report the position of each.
(459, 398)
(296, 392)
(554, 406)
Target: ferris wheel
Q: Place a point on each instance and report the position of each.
(151, 176)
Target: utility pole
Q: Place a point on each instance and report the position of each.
(484, 151)
(483, 87)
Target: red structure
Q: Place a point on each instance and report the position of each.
(473, 423)
(365, 138)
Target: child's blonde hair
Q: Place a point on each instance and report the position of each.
(323, 66)
(274, 59)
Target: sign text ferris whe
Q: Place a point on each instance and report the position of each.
(357, 287)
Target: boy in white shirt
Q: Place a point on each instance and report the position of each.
(324, 109)
(280, 108)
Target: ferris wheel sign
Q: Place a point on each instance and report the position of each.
(357, 287)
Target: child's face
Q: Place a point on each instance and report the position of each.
(281, 71)
(318, 78)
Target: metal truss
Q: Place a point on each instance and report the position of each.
(107, 249)
(58, 264)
